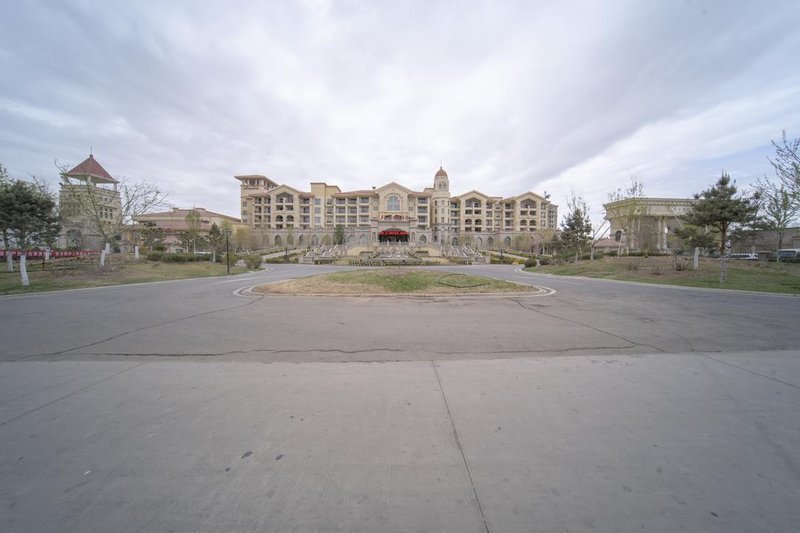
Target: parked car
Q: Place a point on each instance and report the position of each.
(789, 255)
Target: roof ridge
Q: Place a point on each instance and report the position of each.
(90, 167)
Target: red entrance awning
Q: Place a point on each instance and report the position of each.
(394, 233)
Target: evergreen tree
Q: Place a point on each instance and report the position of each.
(338, 234)
(576, 228)
(216, 240)
(152, 235)
(28, 216)
(719, 207)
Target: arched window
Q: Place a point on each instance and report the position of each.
(393, 203)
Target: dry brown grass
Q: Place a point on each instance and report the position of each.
(393, 281)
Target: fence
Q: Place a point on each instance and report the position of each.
(54, 254)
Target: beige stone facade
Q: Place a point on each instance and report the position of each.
(282, 215)
(174, 222)
(88, 199)
(646, 224)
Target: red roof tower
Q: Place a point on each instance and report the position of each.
(90, 168)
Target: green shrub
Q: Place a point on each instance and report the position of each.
(544, 260)
(177, 258)
(501, 260)
(253, 261)
(531, 262)
(164, 257)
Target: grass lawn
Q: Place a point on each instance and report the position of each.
(742, 275)
(393, 281)
(117, 274)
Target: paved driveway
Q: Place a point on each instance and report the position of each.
(603, 406)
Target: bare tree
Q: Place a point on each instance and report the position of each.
(576, 228)
(542, 238)
(597, 234)
(107, 211)
(778, 208)
(787, 163)
(629, 209)
(779, 198)
(192, 228)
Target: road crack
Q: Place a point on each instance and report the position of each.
(115, 374)
(461, 449)
(753, 372)
(578, 322)
(136, 330)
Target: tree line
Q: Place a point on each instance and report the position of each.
(721, 212)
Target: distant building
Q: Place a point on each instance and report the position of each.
(174, 222)
(646, 224)
(280, 214)
(766, 241)
(88, 200)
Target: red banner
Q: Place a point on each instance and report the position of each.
(54, 254)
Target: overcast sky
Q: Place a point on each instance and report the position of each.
(509, 96)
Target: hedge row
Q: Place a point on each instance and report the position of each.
(165, 257)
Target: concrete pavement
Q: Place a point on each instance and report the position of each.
(605, 407)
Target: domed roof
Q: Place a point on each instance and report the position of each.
(441, 173)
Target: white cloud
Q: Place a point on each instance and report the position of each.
(511, 96)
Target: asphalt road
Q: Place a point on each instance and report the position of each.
(604, 406)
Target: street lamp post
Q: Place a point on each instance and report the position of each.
(227, 251)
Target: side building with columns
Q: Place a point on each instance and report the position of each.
(282, 215)
(646, 224)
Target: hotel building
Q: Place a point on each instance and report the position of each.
(282, 215)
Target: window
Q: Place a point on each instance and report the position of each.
(393, 203)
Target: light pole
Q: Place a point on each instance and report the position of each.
(227, 251)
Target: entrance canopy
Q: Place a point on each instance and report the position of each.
(393, 235)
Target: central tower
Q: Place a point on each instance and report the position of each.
(441, 207)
